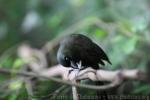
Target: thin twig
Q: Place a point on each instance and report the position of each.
(28, 85)
(56, 92)
(75, 92)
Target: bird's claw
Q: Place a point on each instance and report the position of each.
(70, 71)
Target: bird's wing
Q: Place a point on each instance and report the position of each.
(96, 54)
(98, 51)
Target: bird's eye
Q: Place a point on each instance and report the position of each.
(66, 58)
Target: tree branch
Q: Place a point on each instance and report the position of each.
(114, 77)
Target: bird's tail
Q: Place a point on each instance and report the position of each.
(101, 94)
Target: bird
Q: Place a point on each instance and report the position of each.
(77, 48)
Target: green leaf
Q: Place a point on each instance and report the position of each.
(100, 33)
(15, 85)
(55, 20)
(17, 64)
(130, 44)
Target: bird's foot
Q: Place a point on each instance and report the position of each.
(73, 74)
(87, 70)
(70, 71)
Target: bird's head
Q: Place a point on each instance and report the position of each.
(62, 57)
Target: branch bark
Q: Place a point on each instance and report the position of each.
(114, 77)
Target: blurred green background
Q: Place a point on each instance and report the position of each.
(120, 27)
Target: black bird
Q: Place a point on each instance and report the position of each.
(75, 48)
